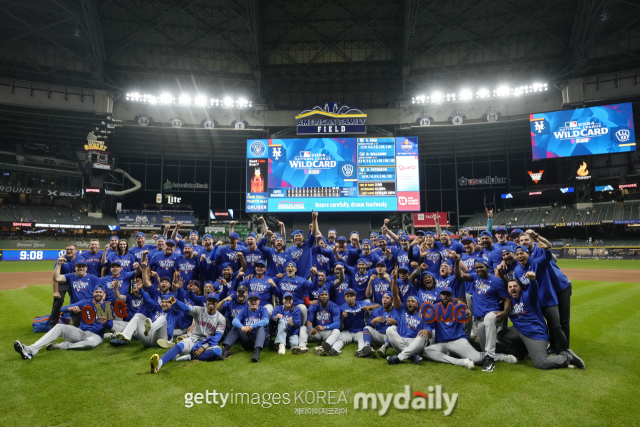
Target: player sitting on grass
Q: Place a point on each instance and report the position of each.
(380, 320)
(451, 340)
(323, 324)
(161, 327)
(202, 343)
(410, 335)
(287, 317)
(84, 337)
(249, 326)
(529, 331)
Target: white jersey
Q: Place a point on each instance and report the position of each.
(206, 324)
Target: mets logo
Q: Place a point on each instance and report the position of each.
(257, 148)
(347, 170)
(623, 135)
(406, 145)
(277, 152)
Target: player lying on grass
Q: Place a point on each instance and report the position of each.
(451, 343)
(84, 337)
(202, 343)
(528, 335)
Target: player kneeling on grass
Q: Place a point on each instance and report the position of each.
(529, 331)
(287, 316)
(353, 324)
(84, 337)
(410, 335)
(323, 324)
(202, 343)
(163, 318)
(451, 343)
(380, 320)
(249, 326)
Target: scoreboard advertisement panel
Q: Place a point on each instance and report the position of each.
(333, 174)
(584, 131)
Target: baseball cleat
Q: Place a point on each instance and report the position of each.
(393, 360)
(22, 350)
(256, 355)
(319, 351)
(416, 359)
(468, 363)
(108, 335)
(326, 347)
(147, 326)
(358, 353)
(165, 343)
(366, 351)
(575, 360)
(185, 358)
(488, 364)
(122, 337)
(154, 361)
(295, 350)
(181, 337)
(509, 358)
(382, 351)
(225, 354)
(117, 343)
(52, 346)
(282, 349)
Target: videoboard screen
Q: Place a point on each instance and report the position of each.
(333, 174)
(584, 131)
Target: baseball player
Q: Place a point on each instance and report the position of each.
(370, 258)
(379, 284)
(386, 254)
(188, 264)
(141, 246)
(332, 234)
(208, 259)
(249, 326)
(502, 241)
(354, 241)
(252, 254)
(319, 280)
(302, 253)
(446, 242)
(261, 285)
(451, 344)
(298, 287)
(84, 337)
(360, 278)
(92, 257)
(528, 335)
(342, 253)
(515, 235)
(405, 287)
(164, 263)
(277, 257)
(232, 253)
(123, 279)
(426, 252)
(60, 291)
(232, 305)
(288, 320)
(352, 313)
(134, 302)
(322, 256)
(489, 291)
(80, 283)
(113, 244)
(468, 260)
(323, 324)
(161, 323)
(425, 285)
(376, 332)
(409, 336)
(340, 284)
(202, 343)
(374, 241)
(491, 253)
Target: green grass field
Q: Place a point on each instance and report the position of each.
(113, 385)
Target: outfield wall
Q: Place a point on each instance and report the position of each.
(600, 252)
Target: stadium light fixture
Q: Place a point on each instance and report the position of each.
(437, 97)
(242, 103)
(483, 93)
(184, 100)
(166, 98)
(465, 95)
(228, 102)
(503, 91)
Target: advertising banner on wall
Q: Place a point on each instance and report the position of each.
(151, 219)
(428, 219)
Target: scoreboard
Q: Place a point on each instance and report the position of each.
(333, 174)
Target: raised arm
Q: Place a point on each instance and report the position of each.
(175, 231)
(340, 279)
(390, 233)
(465, 277)
(397, 302)
(314, 223)
(116, 291)
(489, 219)
(57, 277)
(437, 221)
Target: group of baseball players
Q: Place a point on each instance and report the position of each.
(386, 291)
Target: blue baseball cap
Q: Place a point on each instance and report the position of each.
(179, 236)
(252, 234)
(253, 295)
(165, 278)
(404, 237)
(361, 261)
(467, 239)
(287, 295)
(160, 238)
(261, 262)
(171, 242)
(486, 233)
(197, 282)
(413, 297)
(463, 228)
(292, 263)
(114, 237)
(403, 266)
(225, 265)
(446, 289)
(324, 290)
(373, 234)
(332, 229)
(386, 294)
(296, 232)
(420, 232)
(188, 245)
(213, 296)
(167, 296)
(279, 237)
(207, 236)
(507, 250)
(354, 232)
(427, 273)
(382, 237)
(234, 235)
(481, 261)
(517, 231)
(366, 241)
(381, 262)
(501, 229)
(140, 234)
(99, 286)
(520, 248)
(350, 291)
(81, 262)
(430, 233)
(339, 263)
(445, 232)
(341, 239)
(194, 232)
(114, 262)
(401, 232)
